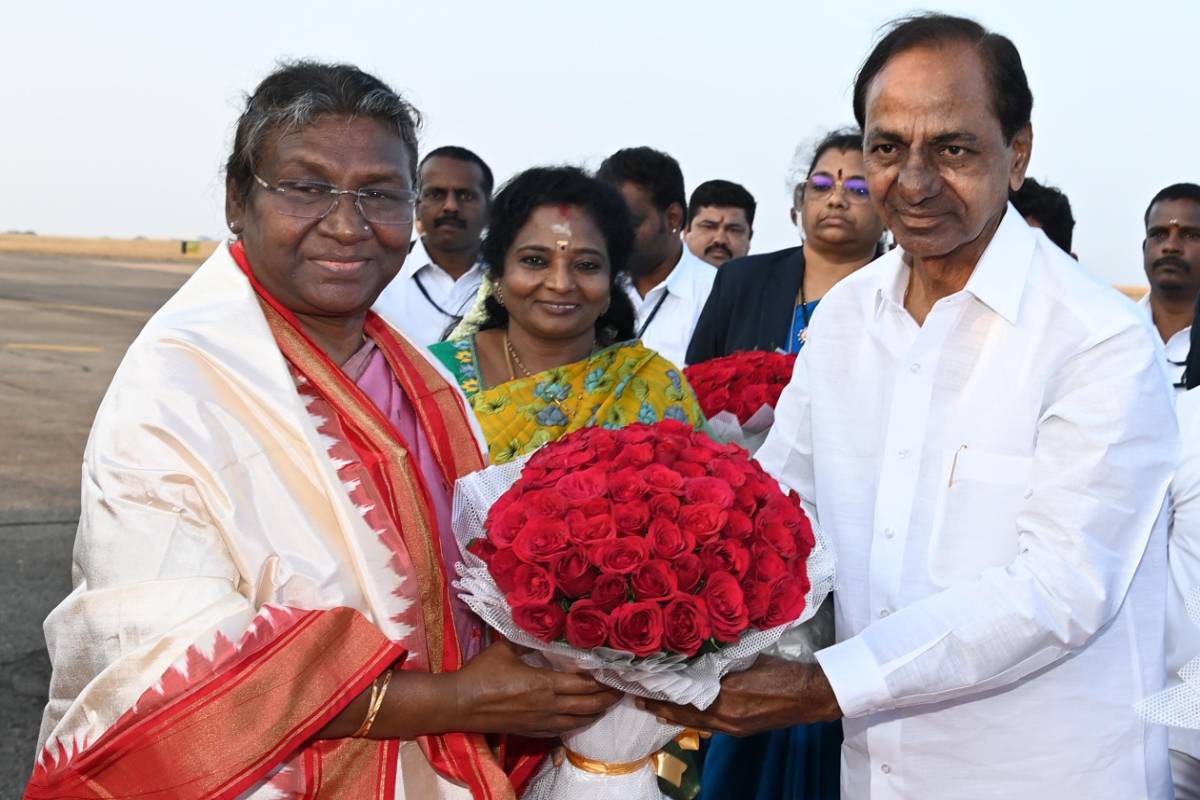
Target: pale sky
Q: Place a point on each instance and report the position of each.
(118, 115)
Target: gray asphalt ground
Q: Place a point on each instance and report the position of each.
(64, 325)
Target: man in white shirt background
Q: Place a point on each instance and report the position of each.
(985, 435)
(668, 284)
(720, 221)
(441, 275)
(1171, 255)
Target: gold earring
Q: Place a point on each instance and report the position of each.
(499, 296)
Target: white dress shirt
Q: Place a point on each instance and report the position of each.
(678, 300)
(1175, 350)
(1183, 557)
(425, 319)
(992, 483)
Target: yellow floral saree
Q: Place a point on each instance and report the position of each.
(614, 387)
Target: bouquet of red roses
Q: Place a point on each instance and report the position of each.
(652, 556)
(738, 393)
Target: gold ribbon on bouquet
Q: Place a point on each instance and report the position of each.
(668, 767)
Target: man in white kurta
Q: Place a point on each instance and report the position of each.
(986, 436)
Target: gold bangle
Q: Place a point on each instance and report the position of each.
(378, 690)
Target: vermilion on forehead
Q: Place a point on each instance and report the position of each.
(1180, 213)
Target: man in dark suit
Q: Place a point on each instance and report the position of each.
(764, 302)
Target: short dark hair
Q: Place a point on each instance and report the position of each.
(296, 94)
(721, 193)
(557, 186)
(653, 170)
(1176, 191)
(1012, 99)
(1049, 206)
(462, 154)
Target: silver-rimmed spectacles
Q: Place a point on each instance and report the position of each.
(314, 200)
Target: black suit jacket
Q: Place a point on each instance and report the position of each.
(751, 306)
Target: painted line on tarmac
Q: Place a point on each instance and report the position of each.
(112, 312)
(57, 348)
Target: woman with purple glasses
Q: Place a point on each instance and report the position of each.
(764, 302)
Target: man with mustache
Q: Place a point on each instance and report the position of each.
(720, 221)
(1171, 253)
(441, 275)
(667, 283)
(986, 436)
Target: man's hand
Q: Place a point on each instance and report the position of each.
(772, 694)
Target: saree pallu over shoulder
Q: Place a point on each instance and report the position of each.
(614, 387)
(234, 590)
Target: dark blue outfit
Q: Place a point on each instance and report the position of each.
(753, 307)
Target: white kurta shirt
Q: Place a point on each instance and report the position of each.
(1175, 350)
(992, 484)
(425, 319)
(1183, 559)
(678, 300)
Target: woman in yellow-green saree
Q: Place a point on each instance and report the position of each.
(555, 349)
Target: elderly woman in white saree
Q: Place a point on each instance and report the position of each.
(262, 602)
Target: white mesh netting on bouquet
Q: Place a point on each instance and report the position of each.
(1179, 705)
(625, 734)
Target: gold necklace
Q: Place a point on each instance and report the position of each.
(510, 355)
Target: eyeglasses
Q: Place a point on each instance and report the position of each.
(820, 185)
(314, 200)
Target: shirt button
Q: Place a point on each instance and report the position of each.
(886, 769)
(902, 454)
(914, 368)
(883, 612)
(888, 533)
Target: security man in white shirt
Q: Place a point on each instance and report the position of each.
(668, 284)
(1171, 253)
(983, 431)
(441, 276)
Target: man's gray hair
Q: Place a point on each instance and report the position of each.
(296, 94)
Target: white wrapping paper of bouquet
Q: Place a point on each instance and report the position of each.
(625, 734)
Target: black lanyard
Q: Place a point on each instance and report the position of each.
(424, 291)
(653, 313)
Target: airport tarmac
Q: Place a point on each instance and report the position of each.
(65, 323)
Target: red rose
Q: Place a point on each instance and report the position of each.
(744, 500)
(731, 474)
(482, 549)
(663, 479)
(637, 628)
(726, 607)
(573, 573)
(631, 517)
(634, 455)
(703, 521)
(634, 434)
(766, 565)
(725, 556)
(738, 526)
(582, 486)
(587, 625)
(787, 602)
(673, 427)
(503, 568)
(545, 503)
(610, 591)
(502, 527)
(754, 398)
(690, 469)
(665, 505)
(654, 580)
(667, 541)
(760, 486)
(543, 621)
(596, 508)
(709, 490)
(689, 570)
(779, 537)
(685, 625)
(666, 452)
(589, 530)
(532, 586)
(540, 540)
(697, 454)
(717, 401)
(758, 599)
(620, 556)
(626, 485)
